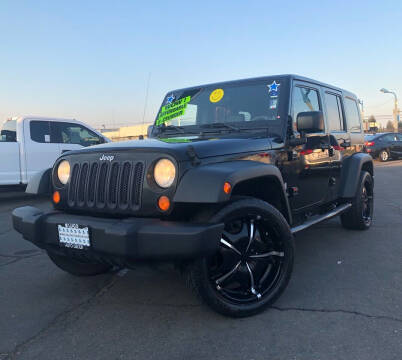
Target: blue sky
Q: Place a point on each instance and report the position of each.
(91, 59)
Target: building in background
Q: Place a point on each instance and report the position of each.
(127, 132)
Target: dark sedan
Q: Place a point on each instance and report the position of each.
(384, 146)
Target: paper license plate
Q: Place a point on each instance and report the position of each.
(74, 236)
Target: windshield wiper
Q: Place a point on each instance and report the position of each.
(220, 125)
(164, 127)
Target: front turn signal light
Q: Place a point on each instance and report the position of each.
(227, 188)
(164, 203)
(56, 197)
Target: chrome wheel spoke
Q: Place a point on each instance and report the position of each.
(252, 284)
(251, 233)
(228, 245)
(225, 276)
(268, 254)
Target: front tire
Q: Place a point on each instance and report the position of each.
(78, 268)
(360, 215)
(254, 263)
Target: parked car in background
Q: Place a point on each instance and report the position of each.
(384, 146)
(31, 144)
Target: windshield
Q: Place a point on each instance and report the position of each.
(8, 132)
(228, 106)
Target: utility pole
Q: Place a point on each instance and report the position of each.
(396, 110)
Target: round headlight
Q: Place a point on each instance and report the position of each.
(164, 173)
(63, 171)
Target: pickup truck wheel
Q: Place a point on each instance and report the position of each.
(360, 215)
(78, 268)
(254, 263)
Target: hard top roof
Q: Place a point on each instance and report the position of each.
(288, 76)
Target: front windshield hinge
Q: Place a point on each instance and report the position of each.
(193, 155)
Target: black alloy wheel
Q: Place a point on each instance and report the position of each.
(253, 264)
(367, 199)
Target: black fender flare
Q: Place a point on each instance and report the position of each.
(350, 174)
(204, 184)
(40, 183)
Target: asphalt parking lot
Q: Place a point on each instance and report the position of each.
(343, 302)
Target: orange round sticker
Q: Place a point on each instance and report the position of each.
(216, 95)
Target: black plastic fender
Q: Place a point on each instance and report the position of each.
(350, 175)
(40, 183)
(204, 184)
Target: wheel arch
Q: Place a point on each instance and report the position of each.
(350, 175)
(204, 184)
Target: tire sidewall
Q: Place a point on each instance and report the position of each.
(365, 176)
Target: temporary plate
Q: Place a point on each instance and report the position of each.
(74, 236)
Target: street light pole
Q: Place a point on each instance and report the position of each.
(396, 110)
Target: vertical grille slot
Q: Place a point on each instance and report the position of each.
(73, 185)
(92, 183)
(102, 184)
(113, 181)
(137, 184)
(82, 184)
(124, 184)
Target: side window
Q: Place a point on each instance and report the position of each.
(399, 137)
(40, 131)
(352, 115)
(389, 137)
(68, 133)
(334, 112)
(9, 131)
(304, 99)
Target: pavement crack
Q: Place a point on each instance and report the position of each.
(61, 317)
(339, 311)
(14, 259)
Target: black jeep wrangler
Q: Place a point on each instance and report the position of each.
(230, 172)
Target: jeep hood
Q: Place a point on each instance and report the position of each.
(178, 147)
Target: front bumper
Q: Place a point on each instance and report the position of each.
(120, 240)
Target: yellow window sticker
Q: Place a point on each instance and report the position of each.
(216, 95)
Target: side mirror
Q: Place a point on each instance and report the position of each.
(310, 122)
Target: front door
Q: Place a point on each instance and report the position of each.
(307, 168)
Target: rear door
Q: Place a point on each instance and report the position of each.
(339, 137)
(39, 150)
(73, 136)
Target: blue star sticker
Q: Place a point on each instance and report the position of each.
(170, 99)
(273, 87)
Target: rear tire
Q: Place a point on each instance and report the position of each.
(77, 268)
(360, 215)
(383, 156)
(254, 263)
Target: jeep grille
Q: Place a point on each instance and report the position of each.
(106, 185)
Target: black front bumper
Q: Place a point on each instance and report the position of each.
(121, 240)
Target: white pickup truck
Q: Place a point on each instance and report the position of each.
(31, 144)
